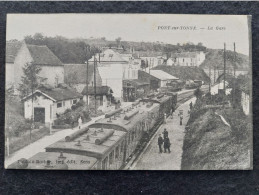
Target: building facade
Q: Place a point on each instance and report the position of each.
(47, 104)
(186, 59)
(52, 69)
(103, 97)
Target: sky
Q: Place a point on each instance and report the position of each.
(137, 27)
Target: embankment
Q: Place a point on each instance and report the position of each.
(216, 144)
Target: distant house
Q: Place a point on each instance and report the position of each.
(75, 75)
(157, 78)
(153, 59)
(186, 59)
(103, 96)
(19, 54)
(49, 102)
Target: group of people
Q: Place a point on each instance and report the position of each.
(164, 141)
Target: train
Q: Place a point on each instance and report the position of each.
(110, 142)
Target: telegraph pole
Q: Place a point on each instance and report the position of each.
(210, 79)
(87, 68)
(225, 68)
(234, 86)
(95, 63)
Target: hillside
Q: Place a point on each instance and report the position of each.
(185, 73)
(214, 57)
(215, 144)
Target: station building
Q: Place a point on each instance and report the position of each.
(49, 102)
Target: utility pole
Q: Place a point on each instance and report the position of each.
(95, 64)
(225, 68)
(87, 68)
(210, 78)
(234, 86)
(214, 75)
(32, 107)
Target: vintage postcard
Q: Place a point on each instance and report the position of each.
(128, 92)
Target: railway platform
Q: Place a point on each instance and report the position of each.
(151, 159)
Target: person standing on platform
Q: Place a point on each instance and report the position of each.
(191, 106)
(79, 122)
(165, 118)
(165, 133)
(160, 143)
(167, 145)
(181, 120)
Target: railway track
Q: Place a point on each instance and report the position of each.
(142, 147)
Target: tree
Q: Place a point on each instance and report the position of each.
(118, 41)
(29, 83)
(200, 44)
(30, 79)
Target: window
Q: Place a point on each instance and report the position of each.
(129, 139)
(104, 163)
(122, 146)
(111, 155)
(183, 60)
(117, 152)
(59, 104)
(74, 101)
(101, 100)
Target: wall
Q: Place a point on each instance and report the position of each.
(66, 104)
(23, 57)
(130, 71)
(152, 61)
(245, 100)
(112, 76)
(39, 101)
(106, 103)
(42, 102)
(9, 74)
(187, 61)
(200, 58)
(51, 73)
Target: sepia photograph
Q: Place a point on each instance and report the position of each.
(128, 92)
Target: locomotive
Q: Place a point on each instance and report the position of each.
(108, 143)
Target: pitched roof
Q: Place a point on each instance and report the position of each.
(137, 82)
(100, 90)
(162, 75)
(12, 49)
(42, 55)
(76, 73)
(57, 94)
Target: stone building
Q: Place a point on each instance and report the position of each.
(19, 54)
(186, 59)
(49, 102)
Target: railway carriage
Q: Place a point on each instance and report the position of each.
(166, 100)
(135, 121)
(110, 142)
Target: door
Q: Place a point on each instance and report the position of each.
(39, 115)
